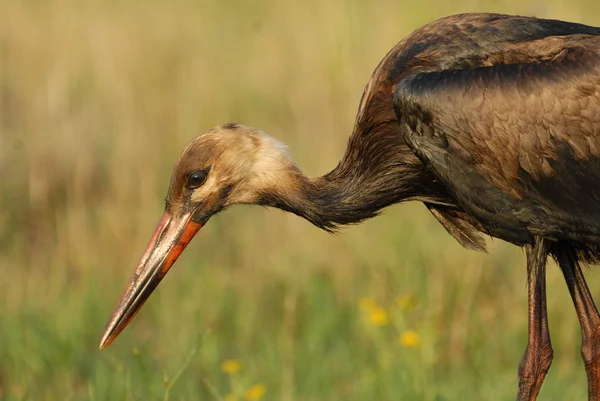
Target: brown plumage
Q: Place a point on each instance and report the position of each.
(492, 121)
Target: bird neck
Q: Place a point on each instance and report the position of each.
(355, 191)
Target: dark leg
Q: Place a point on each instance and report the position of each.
(538, 354)
(587, 314)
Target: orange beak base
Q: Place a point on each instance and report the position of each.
(170, 239)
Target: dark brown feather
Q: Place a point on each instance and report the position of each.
(460, 228)
(515, 143)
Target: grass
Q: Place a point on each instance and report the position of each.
(97, 99)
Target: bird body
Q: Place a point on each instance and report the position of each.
(492, 121)
(504, 112)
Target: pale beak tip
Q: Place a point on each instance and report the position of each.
(105, 341)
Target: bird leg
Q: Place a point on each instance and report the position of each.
(588, 317)
(538, 354)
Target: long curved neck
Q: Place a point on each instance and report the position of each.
(362, 184)
(341, 198)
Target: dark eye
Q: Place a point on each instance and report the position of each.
(197, 178)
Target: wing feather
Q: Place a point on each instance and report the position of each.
(464, 232)
(517, 144)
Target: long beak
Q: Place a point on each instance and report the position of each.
(170, 239)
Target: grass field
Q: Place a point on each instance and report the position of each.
(97, 99)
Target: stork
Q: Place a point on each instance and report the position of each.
(492, 121)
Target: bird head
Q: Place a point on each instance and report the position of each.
(226, 165)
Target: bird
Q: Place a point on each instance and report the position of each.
(492, 121)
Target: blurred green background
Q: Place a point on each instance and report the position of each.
(97, 99)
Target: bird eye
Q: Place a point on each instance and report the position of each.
(197, 178)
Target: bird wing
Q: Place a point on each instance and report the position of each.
(516, 141)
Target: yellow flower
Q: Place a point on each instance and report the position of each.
(407, 302)
(231, 397)
(366, 304)
(379, 316)
(410, 338)
(255, 392)
(231, 366)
